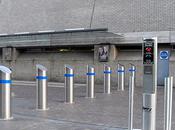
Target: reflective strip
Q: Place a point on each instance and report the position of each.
(107, 72)
(5, 81)
(68, 75)
(90, 74)
(131, 70)
(120, 71)
(41, 77)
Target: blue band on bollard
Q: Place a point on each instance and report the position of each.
(131, 70)
(41, 77)
(120, 71)
(107, 72)
(68, 75)
(90, 74)
(5, 81)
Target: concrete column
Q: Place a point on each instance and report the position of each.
(113, 52)
(15, 54)
(9, 54)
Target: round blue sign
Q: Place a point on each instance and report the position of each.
(164, 55)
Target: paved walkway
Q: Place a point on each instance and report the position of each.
(105, 112)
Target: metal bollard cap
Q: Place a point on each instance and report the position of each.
(41, 67)
(5, 69)
(90, 66)
(68, 66)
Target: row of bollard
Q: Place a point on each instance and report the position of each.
(41, 86)
(41, 90)
(90, 87)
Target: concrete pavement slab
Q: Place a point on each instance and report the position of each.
(105, 112)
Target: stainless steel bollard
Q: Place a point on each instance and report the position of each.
(121, 77)
(69, 84)
(131, 102)
(107, 79)
(41, 87)
(132, 70)
(171, 101)
(90, 82)
(5, 93)
(168, 94)
(149, 110)
(166, 103)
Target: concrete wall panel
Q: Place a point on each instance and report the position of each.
(117, 15)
